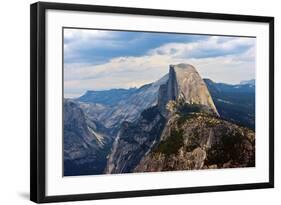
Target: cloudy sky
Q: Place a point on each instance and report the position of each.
(100, 60)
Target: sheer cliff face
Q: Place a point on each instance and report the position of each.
(186, 86)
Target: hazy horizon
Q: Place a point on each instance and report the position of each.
(77, 96)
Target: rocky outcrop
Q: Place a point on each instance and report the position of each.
(201, 141)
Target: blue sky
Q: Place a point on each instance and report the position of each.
(117, 44)
(101, 59)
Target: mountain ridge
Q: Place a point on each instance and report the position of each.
(235, 103)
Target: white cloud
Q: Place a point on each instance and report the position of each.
(128, 71)
(73, 35)
(81, 38)
(212, 44)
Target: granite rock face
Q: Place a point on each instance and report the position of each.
(84, 144)
(134, 140)
(186, 86)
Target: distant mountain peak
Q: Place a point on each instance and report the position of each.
(248, 82)
(106, 97)
(185, 84)
(208, 80)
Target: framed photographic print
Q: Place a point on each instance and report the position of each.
(129, 102)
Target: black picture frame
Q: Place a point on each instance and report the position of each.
(38, 100)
